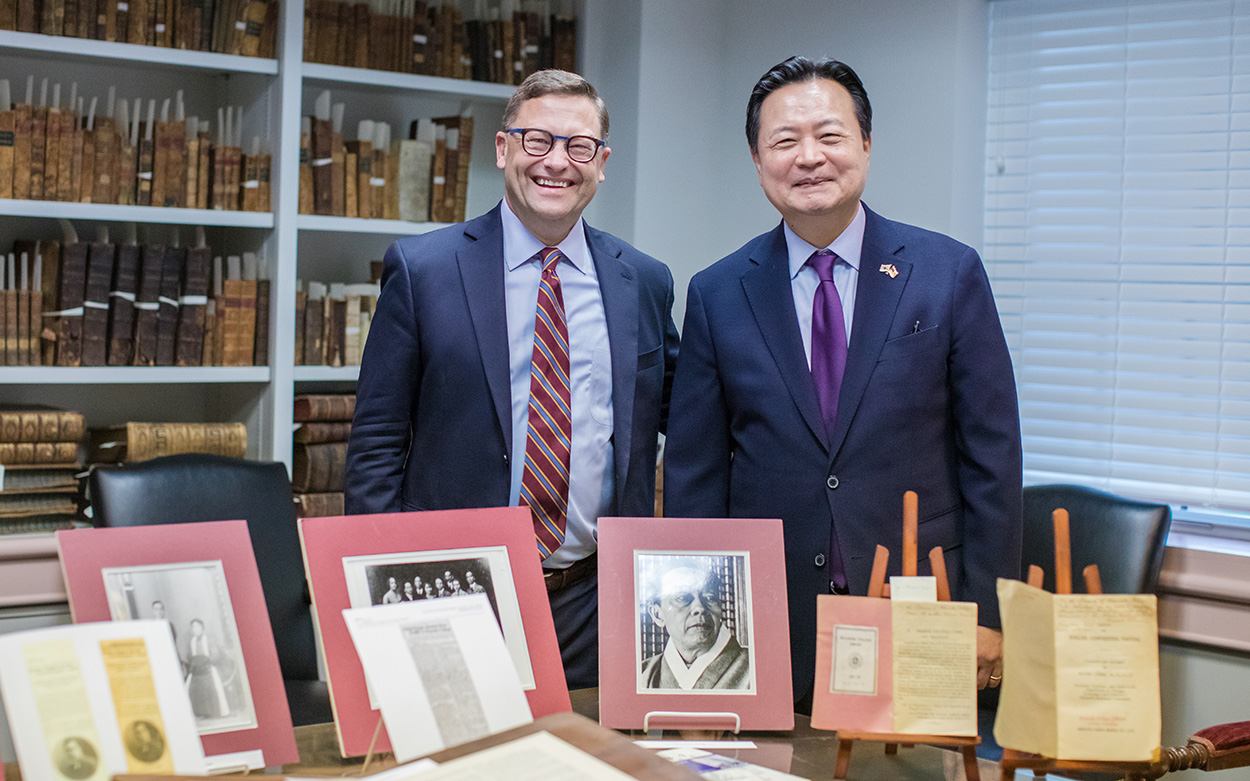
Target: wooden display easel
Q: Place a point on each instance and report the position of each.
(1040, 765)
(877, 587)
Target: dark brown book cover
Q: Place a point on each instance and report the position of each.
(318, 468)
(73, 284)
(100, 259)
(190, 350)
(147, 304)
(35, 352)
(301, 299)
(160, 163)
(314, 317)
(69, 18)
(38, 150)
(21, 151)
(264, 174)
(23, 328)
(438, 183)
(176, 165)
(137, 21)
(234, 177)
(364, 170)
(126, 170)
(122, 305)
(305, 174)
(324, 407)
(337, 175)
(86, 22)
(360, 32)
(8, 14)
(251, 183)
(8, 124)
(11, 348)
(269, 32)
(260, 353)
(210, 332)
(322, 166)
(77, 140)
(27, 16)
(319, 505)
(167, 315)
(316, 431)
(241, 322)
(203, 196)
(122, 22)
(420, 38)
(336, 350)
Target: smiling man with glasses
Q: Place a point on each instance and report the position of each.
(523, 357)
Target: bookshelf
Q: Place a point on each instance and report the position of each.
(275, 94)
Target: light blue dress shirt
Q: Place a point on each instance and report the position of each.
(590, 375)
(804, 280)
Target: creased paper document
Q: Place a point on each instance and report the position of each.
(1080, 674)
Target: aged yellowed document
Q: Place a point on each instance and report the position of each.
(134, 700)
(935, 667)
(60, 694)
(1080, 674)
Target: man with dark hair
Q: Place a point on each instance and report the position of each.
(839, 360)
(523, 358)
(700, 652)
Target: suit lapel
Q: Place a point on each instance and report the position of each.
(618, 288)
(876, 300)
(482, 274)
(767, 288)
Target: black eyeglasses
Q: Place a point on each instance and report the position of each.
(538, 142)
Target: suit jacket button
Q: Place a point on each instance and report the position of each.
(832, 482)
(820, 559)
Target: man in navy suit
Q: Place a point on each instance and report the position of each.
(768, 420)
(443, 404)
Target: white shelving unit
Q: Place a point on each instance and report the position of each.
(275, 94)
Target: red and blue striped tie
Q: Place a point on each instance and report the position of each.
(545, 481)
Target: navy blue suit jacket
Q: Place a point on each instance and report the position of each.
(433, 424)
(928, 403)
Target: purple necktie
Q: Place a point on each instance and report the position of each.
(828, 338)
(828, 366)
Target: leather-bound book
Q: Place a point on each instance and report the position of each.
(351, 330)
(319, 505)
(49, 254)
(107, 151)
(306, 200)
(27, 16)
(301, 301)
(438, 179)
(264, 171)
(35, 349)
(260, 353)
(176, 165)
(160, 162)
(167, 315)
(205, 175)
(337, 332)
(86, 170)
(146, 162)
(351, 198)
(38, 149)
(8, 14)
(314, 316)
(21, 151)
(210, 332)
(192, 163)
(137, 22)
(8, 125)
(95, 320)
(65, 181)
(140, 441)
(322, 168)
(73, 284)
(363, 150)
(122, 305)
(317, 431)
(318, 468)
(147, 304)
(324, 407)
(11, 336)
(420, 38)
(194, 300)
(360, 32)
(39, 423)
(38, 453)
(51, 154)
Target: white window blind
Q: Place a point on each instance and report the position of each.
(1118, 240)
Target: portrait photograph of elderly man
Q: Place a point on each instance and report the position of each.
(694, 623)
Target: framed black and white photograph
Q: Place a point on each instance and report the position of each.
(681, 605)
(194, 599)
(694, 622)
(391, 578)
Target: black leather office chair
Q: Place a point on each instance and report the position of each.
(199, 487)
(1124, 537)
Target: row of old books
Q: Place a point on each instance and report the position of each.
(40, 468)
(143, 441)
(70, 152)
(323, 423)
(245, 27)
(332, 322)
(420, 179)
(125, 304)
(501, 44)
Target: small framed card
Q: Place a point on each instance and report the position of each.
(201, 579)
(440, 672)
(366, 560)
(88, 701)
(681, 603)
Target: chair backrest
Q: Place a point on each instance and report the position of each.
(200, 487)
(1124, 537)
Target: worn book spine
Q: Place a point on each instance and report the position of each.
(306, 201)
(51, 155)
(8, 124)
(337, 174)
(21, 151)
(143, 178)
(253, 28)
(146, 441)
(41, 425)
(38, 453)
(35, 350)
(382, 207)
(318, 468)
(193, 302)
(319, 505)
(176, 165)
(260, 352)
(314, 432)
(100, 260)
(322, 166)
(210, 332)
(86, 170)
(462, 175)
(122, 305)
(147, 304)
(205, 173)
(122, 13)
(23, 328)
(234, 177)
(251, 183)
(390, 190)
(363, 150)
(73, 282)
(231, 310)
(160, 163)
(38, 149)
(65, 180)
(167, 314)
(49, 253)
(324, 407)
(107, 147)
(351, 331)
(137, 21)
(11, 337)
(314, 317)
(8, 14)
(301, 299)
(192, 165)
(351, 198)
(263, 175)
(126, 170)
(337, 318)
(27, 16)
